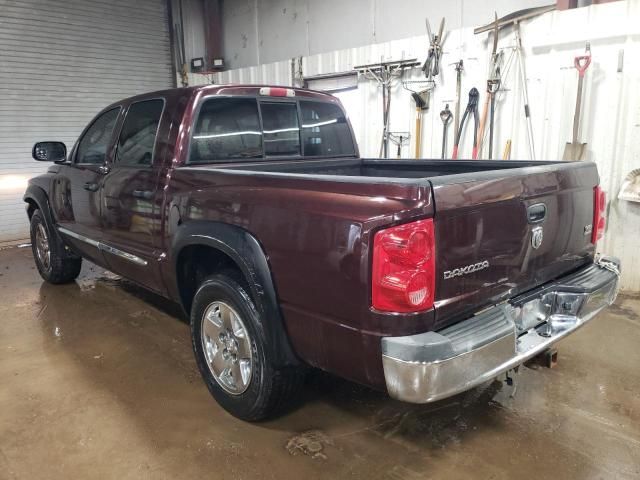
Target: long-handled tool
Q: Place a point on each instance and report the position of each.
(384, 73)
(420, 92)
(459, 66)
(445, 116)
(525, 92)
(472, 108)
(494, 74)
(420, 106)
(506, 155)
(514, 19)
(575, 149)
(492, 88)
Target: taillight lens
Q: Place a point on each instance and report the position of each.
(403, 273)
(599, 219)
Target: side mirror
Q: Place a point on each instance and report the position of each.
(49, 152)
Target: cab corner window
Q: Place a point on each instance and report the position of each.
(325, 131)
(281, 129)
(226, 129)
(138, 135)
(93, 145)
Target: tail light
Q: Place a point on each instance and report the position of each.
(403, 273)
(599, 220)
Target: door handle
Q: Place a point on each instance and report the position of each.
(91, 186)
(143, 194)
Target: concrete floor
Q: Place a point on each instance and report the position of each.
(98, 381)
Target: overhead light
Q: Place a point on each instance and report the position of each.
(197, 65)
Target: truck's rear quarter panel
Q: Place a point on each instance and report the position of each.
(316, 236)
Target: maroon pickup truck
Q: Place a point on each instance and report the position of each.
(251, 207)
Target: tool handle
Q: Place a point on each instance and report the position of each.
(582, 63)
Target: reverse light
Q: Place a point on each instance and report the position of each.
(599, 219)
(277, 92)
(403, 272)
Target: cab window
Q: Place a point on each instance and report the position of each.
(226, 129)
(138, 135)
(92, 148)
(325, 131)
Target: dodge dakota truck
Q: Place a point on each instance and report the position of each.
(251, 207)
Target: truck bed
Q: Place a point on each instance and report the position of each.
(388, 169)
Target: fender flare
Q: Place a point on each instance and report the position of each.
(245, 250)
(37, 195)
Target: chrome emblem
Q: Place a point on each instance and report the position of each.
(536, 237)
(467, 269)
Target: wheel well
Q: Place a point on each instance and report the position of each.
(197, 262)
(32, 207)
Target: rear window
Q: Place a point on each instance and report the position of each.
(226, 129)
(281, 129)
(231, 129)
(325, 130)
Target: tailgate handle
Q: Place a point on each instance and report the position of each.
(536, 213)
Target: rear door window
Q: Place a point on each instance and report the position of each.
(281, 129)
(92, 147)
(138, 135)
(226, 129)
(325, 131)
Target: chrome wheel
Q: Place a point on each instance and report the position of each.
(227, 347)
(42, 247)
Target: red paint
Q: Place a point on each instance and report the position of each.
(317, 231)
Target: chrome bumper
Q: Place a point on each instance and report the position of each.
(431, 366)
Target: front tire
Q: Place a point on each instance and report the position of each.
(233, 358)
(54, 265)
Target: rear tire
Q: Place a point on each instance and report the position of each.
(232, 355)
(53, 262)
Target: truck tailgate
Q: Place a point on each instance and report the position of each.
(485, 227)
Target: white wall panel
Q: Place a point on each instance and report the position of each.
(61, 62)
(611, 120)
(265, 31)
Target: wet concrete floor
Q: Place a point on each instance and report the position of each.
(97, 380)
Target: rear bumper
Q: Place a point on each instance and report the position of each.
(431, 366)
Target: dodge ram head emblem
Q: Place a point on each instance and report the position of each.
(536, 237)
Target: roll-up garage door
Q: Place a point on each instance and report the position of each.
(61, 61)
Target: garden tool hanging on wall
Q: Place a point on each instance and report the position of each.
(575, 150)
(459, 67)
(472, 108)
(515, 19)
(431, 66)
(445, 116)
(421, 99)
(493, 83)
(384, 73)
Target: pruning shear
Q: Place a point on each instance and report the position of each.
(431, 66)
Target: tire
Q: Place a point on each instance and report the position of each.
(265, 391)
(53, 262)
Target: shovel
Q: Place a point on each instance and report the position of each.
(575, 150)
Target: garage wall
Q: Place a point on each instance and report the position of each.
(61, 61)
(264, 31)
(611, 109)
